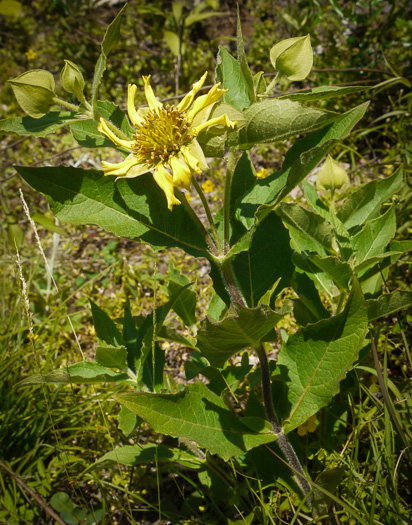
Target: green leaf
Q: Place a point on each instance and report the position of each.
(308, 231)
(134, 455)
(229, 73)
(87, 134)
(323, 93)
(340, 272)
(112, 356)
(268, 258)
(293, 57)
(315, 201)
(173, 41)
(218, 341)
(133, 208)
(366, 202)
(307, 308)
(34, 91)
(201, 416)
(372, 240)
(242, 61)
(47, 223)
(112, 35)
(388, 304)
(212, 140)
(127, 421)
(316, 358)
(244, 177)
(37, 127)
(106, 330)
(185, 305)
(273, 120)
(83, 373)
(299, 161)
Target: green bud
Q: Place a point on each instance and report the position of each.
(293, 57)
(34, 91)
(331, 176)
(72, 79)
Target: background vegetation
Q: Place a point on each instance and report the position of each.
(49, 437)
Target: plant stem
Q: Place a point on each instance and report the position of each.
(284, 444)
(282, 440)
(208, 212)
(272, 84)
(226, 199)
(67, 105)
(206, 235)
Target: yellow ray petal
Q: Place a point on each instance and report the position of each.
(196, 151)
(120, 169)
(131, 108)
(222, 120)
(186, 102)
(103, 127)
(191, 160)
(150, 97)
(182, 174)
(165, 181)
(205, 100)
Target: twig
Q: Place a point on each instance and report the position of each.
(33, 494)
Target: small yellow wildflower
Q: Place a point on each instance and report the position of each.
(165, 138)
(308, 426)
(188, 197)
(261, 174)
(208, 186)
(30, 54)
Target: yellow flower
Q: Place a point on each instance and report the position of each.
(261, 174)
(30, 54)
(208, 186)
(308, 426)
(165, 138)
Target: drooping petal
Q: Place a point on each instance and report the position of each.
(150, 97)
(165, 181)
(131, 108)
(223, 120)
(182, 174)
(191, 160)
(186, 102)
(119, 169)
(205, 100)
(103, 127)
(196, 151)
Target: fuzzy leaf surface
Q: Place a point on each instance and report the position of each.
(271, 120)
(388, 304)
(37, 127)
(133, 455)
(218, 341)
(365, 203)
(316, 358)
(299, 161)
(201, 416)
(83, 373)
(133, 208)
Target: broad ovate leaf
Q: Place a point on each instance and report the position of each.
(34, 91)
(201, 416)
(293, 57)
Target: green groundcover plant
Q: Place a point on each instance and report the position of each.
(333, 253)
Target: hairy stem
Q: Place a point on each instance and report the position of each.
(226, 200)
(282, 440)
(208, 212)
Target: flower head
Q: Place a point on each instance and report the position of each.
(165, 138)
(308, 426)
